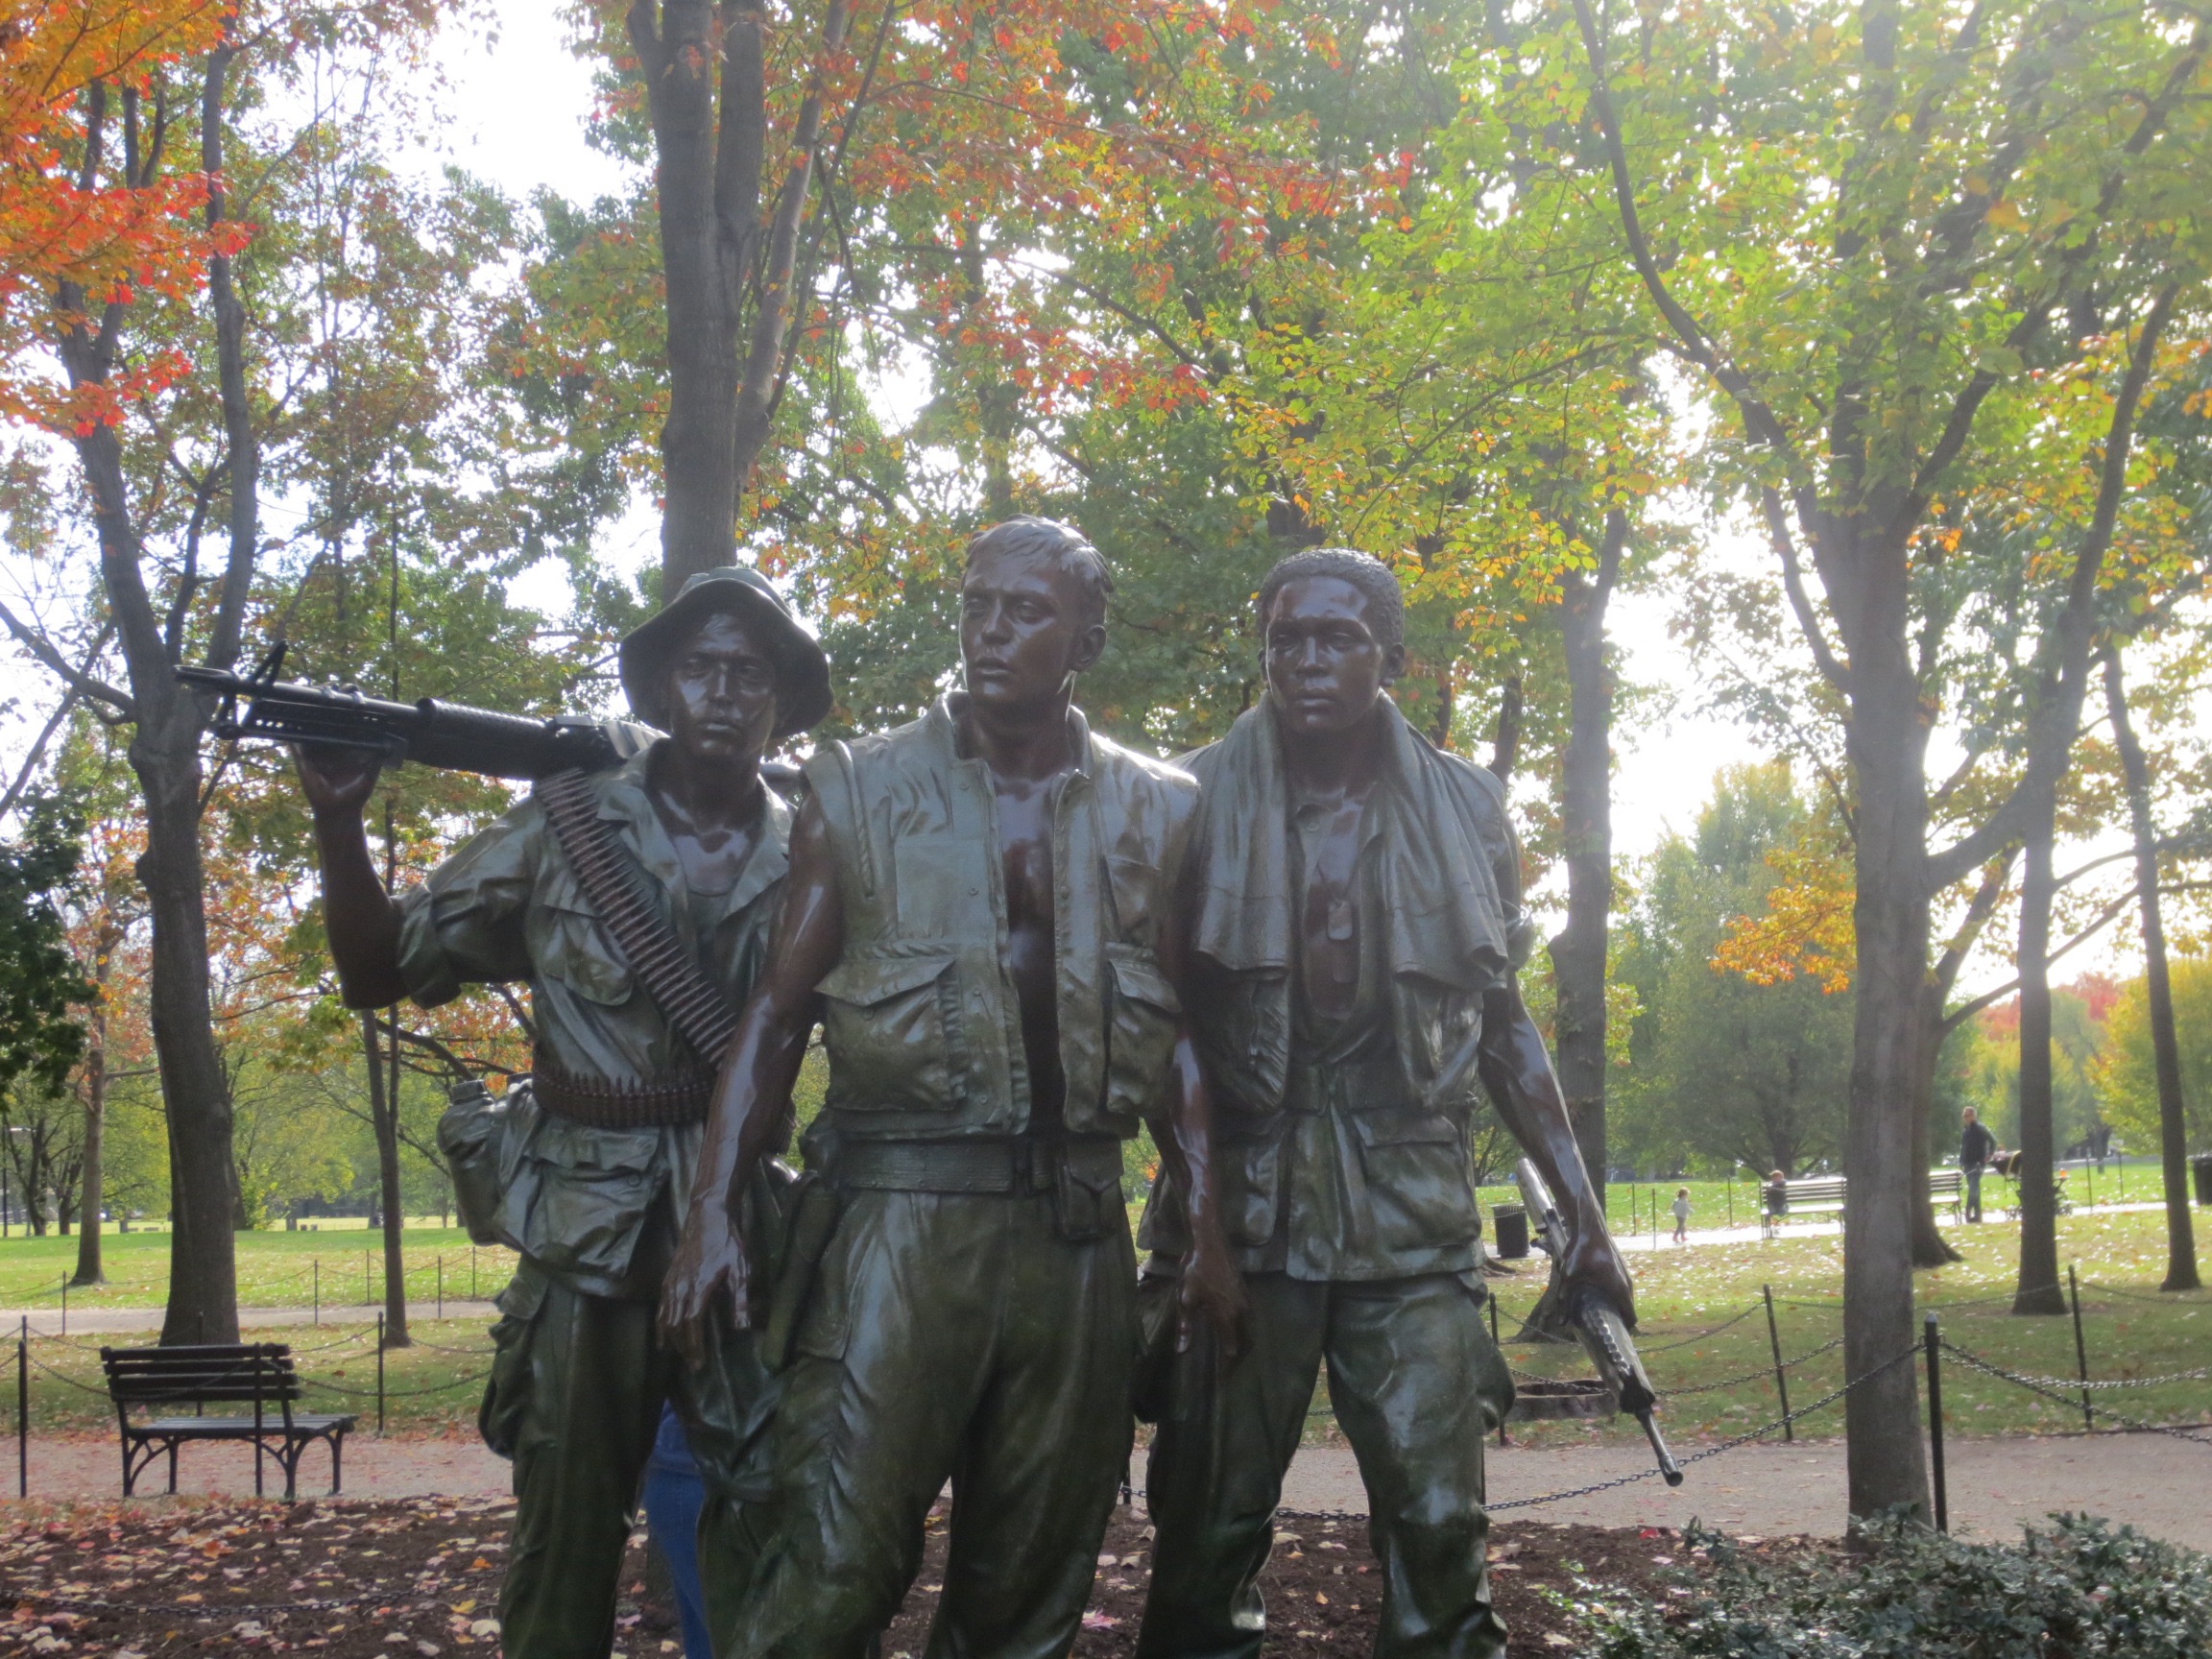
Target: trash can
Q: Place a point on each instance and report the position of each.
(2202, 1164)
(1510, 1223)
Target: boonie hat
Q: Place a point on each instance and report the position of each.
(802, 668)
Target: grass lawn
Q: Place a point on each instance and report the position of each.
(430, 1389)
(2130, 1330)
(276, 1269)
(1703, 1329)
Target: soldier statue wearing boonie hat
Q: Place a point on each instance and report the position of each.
(591, 1169)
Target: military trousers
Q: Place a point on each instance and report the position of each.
(578, 1384)
(948, 1336)
(1416, 1380)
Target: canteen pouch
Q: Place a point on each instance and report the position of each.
(473, 1136)
(1086, 1189)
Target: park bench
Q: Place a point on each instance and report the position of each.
(228, 1373)
(1815, 1194)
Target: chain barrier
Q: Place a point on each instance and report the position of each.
(2163, 1298)
(1701, 1335)
(1758, 1375)
(1730, 1445)
(64, 1377)
(2072, 1402)
(393, 1393)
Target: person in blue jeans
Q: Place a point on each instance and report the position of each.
(673, 1494)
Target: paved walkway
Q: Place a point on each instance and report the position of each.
(2152, 1480)
(1747, 1231)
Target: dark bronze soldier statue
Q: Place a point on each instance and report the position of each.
(977, 916)
(1357, 922)
(595, 1154)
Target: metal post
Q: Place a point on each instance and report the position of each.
(379, 1373)
(1934, 1346)
(2081, 1348)
(441, 1284)
(1781, 1378)
(65, 1304)
(317, 1290)
(367, 1296)
(23, 1407)
(471, 1272)
(1731, 1197)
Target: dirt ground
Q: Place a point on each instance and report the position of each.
(419, 1576)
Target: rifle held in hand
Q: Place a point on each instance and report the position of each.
(429, 732)
(1597, 1323)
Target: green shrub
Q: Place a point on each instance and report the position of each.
(2082, 1590)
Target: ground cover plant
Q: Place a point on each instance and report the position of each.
(2078, 1589)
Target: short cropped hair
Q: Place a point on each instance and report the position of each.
(1376, 584)
(1026, 537)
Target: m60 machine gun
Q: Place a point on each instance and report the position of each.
(430, 732)
(1599, 1325)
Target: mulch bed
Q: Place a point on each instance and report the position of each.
(229, 1577)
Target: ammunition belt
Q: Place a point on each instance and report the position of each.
(598, 1103)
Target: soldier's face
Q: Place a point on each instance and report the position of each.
(1326, 667)
(722, 693)
(1024, 627)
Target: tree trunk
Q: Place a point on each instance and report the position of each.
(724, 381)
(195, 1092)
(2165, 1045)
(704, 257)
(2038, 1291)
(1885, 1459)
(1930, 1248)
(88, 1263)
(1586, 823)
(384, 1116)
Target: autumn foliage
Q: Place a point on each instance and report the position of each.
(81, 232)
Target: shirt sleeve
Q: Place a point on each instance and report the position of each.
(463, 924)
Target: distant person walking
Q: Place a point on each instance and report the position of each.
(1681, 1214)
(1976, 1147)
(1777, 1204)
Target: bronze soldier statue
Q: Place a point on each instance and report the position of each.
(593, 1161)
(977, 914)
(1357, 930)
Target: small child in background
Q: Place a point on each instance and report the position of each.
(1777, 1203)
(1681, 1214)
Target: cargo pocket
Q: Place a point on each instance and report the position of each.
(1249, 1181)
(570, 946)
(824, 1325)
(506, 1390)
(893, 1025)
(1151, 1382)
(1140, 1035)
(590, 1190)
(1419, 1187)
